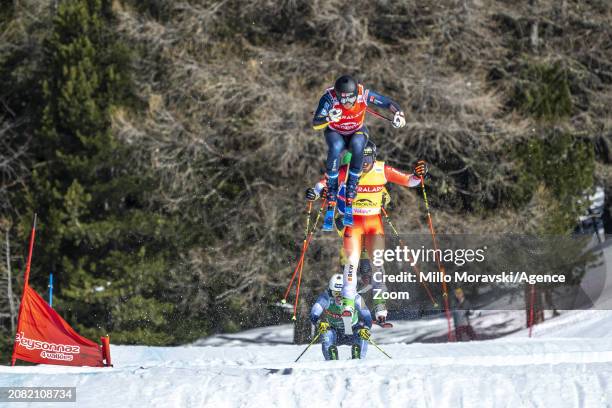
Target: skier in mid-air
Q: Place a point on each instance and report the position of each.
(368, 221)
(341, 112)
(326, 315)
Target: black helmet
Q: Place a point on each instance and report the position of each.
(370, 149)
(346, 89)
(369, 153)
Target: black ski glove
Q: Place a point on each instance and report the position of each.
(311, 194)
(420, 170)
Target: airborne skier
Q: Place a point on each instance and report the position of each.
(326, 315)
(341, 112)
(368, 221)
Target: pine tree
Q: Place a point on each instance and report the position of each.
(107, 250)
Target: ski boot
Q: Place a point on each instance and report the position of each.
(332, 193)
(355, 351)
(333, 352)
(351, 193)
(380, 312)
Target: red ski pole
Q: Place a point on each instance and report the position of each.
(301, 264)
(372, 111)
(440, 266)
(303, 247)
(378, 115)
(307, 239)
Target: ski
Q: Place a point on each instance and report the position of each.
(281, 371)
(385, 325)
(328, 222)
(348, 214)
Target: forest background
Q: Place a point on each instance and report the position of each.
(166, 145)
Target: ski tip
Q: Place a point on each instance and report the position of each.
(282, 371)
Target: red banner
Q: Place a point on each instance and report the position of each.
(44, 337)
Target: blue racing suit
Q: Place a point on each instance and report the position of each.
(328, 309)
(354, 142)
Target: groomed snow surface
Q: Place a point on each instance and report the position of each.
(568, 363)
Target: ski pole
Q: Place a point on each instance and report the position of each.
(373, 112)
(416, 269)
(51, 289)
(531, 307)
(308, 346)
(378, 347)
(440, 266)
(301, 265)
(308, 220)
(304, 247)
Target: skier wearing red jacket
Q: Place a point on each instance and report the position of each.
(341, 112)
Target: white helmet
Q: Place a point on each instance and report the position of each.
(336, 282)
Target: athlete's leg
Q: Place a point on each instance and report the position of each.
(361, 343)
(328, 339)
(352, 250)
(375, 241)
(335, 144)
(356, 145)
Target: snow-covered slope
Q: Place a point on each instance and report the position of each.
(567, 363)
(488, 324)
(519, 372)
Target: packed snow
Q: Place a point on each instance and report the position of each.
(566, 363)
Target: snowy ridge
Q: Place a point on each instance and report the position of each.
(567, 363)
(517, 372)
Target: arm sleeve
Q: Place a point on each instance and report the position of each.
(364, 312)
(319, 121)
(317, 309)
(376, 99)
(393, 175)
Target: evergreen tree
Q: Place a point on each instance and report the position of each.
(97, 235)
(554, 163)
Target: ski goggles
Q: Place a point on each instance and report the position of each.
(347, 98)
(368, 159)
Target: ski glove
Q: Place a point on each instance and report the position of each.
(420, 170)
(334, 115)
(365, 333)
(311, 194)
(322, 327)
(386, 200)
(398, 120)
